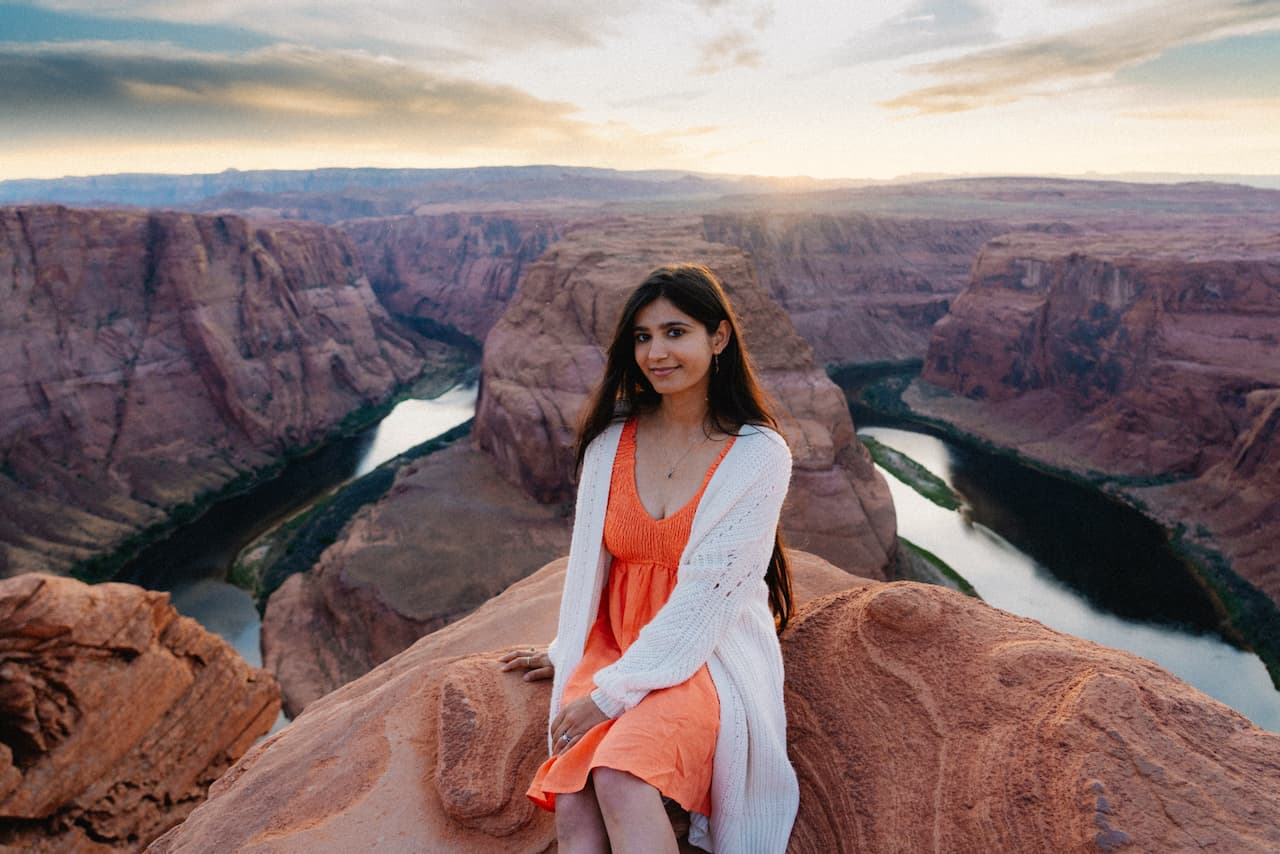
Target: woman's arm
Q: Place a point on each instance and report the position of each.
(716, 576)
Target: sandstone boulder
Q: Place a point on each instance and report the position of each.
(919, 720)
(116, 714)
(152, 358)
(545, 354)
(1146, 360)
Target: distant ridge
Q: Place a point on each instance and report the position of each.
(488, 183)
(491, 183)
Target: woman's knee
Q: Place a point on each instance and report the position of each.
(619, 790)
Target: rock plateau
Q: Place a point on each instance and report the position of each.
(116, 714)
(918, 720)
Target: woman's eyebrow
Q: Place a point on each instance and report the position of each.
(667, 325)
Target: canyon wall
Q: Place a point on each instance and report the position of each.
(918, 720)
(151, 358)
(545, 354)
(451, 270)
(858, 288)
(116, 714)
(1147, 361)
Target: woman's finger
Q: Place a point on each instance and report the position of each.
(540, 673)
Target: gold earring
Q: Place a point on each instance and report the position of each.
(715, 363)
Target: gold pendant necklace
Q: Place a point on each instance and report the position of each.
(674, 465)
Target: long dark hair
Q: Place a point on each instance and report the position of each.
(734, 397)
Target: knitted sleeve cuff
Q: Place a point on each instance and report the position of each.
(611, 707)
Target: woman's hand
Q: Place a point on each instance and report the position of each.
(536, 663)
(573, 722)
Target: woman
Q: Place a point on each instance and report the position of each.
(666, 666)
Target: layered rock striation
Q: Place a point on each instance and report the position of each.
(859, 288)
(545, 354)
(1147, 361)
(451, 272)
(918, 719)
(116, 714)
(152, 358)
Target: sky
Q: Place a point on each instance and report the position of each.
(849, 89)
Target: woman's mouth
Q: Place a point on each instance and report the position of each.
(662, 372)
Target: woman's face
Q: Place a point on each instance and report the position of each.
(673, 350)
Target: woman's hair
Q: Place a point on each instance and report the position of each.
(734, 397)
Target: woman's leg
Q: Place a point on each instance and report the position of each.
(633, 813)
(579, 825)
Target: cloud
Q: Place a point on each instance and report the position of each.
(926, 25)
(474, 28)
(1087, 56)
(290, 96)
(734, 48)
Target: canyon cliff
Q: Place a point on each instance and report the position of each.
(451, 270)
(1146, 361)
(918, 720)
(858, 288)
(116, 714)
(545, 354)
(153, 358)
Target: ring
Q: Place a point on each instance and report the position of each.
(566, 737)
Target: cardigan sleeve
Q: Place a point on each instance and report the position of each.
(718, 573)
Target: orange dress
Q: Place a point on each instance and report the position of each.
(669, 738)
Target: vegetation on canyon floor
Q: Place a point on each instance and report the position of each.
(912, 473)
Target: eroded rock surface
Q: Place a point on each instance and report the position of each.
(430, 751)
(450, 534)
(1149, 360)
(150, 358)
(116, 714)
(919, 720)
(545, 354)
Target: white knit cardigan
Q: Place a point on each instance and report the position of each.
(718, 614)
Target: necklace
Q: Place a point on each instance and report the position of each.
(696, 441)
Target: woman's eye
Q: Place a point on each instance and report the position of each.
(642, 337)
(675, 332)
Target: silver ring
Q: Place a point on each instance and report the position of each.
(566, 737)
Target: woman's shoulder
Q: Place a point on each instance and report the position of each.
(762, 435)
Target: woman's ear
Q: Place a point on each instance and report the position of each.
(720, 338)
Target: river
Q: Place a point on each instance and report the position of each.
(192, 564)
(1081, 564)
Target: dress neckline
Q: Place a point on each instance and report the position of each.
(629, 438)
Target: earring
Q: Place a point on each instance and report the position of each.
(715, 363)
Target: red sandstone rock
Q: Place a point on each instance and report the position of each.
(459, 269)
(858, 288)
(430, 751)
(1149, 356)
(919, 720)
(545, 354)
(116, 714)
(450, 534)
(150, 358)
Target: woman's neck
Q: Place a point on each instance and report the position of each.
(683, 412)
